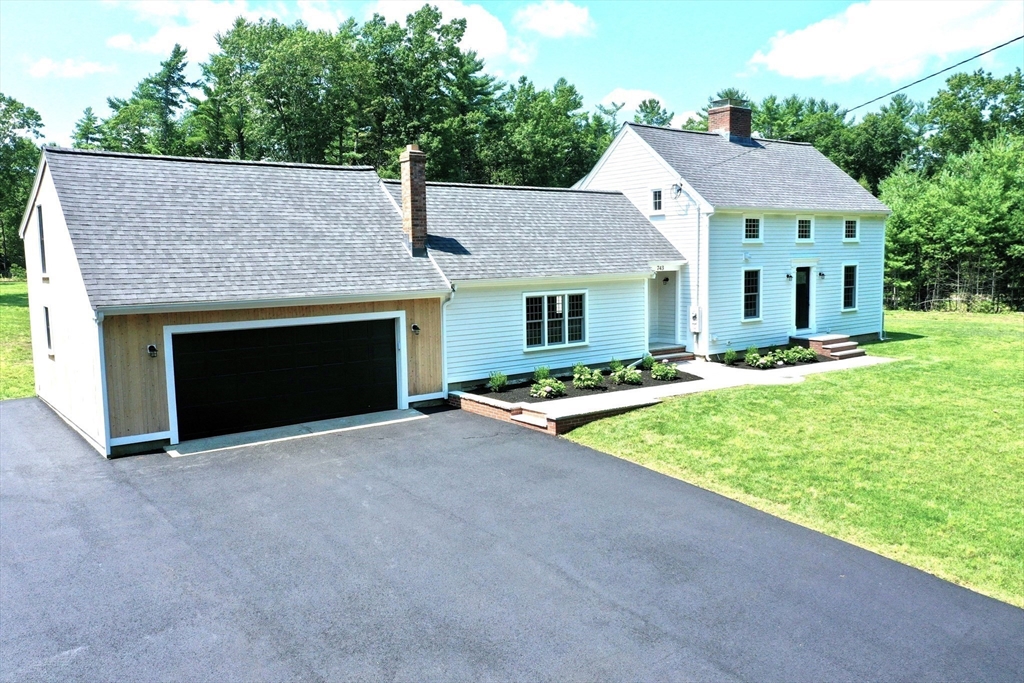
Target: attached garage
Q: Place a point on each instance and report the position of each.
(244, 376)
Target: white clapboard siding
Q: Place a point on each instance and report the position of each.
(631, 167)
(484, 328)
(778, 255)
(68, 376)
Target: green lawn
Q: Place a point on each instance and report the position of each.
(16, 378)
(921, 460)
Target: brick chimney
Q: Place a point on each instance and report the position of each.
(414, 198)
(730, 118)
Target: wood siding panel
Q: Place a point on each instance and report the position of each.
(136, 385)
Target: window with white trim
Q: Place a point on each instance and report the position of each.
(805, 229)
(849, 287)
(42, 241)
(656, 200)
(751, 294)
(555, 319)
(751, 229)
(46, 320)
(851, 229)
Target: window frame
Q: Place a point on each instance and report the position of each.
(760, 229)
(804, 240)
(657, 200)
(42, 240)
(566, 293)
(851, 240)
(743, 294)
(856, 287)
(46, 325)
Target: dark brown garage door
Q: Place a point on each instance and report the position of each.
(240, 380)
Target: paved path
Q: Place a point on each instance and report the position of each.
(449, 548)
(713, 376)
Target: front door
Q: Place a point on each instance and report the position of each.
(803, 298)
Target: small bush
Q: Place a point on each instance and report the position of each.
(648, 362)
(752, 356)
(548, 388)
(799, 354)
(664, 372)
(586, 378)
(731, 357)
(541, 373)
(615, 365)
(764, 362)
(626, 375)
(498, 381)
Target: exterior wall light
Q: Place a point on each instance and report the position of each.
(821, 275)
(151, 349)
(415, 328)
(789, 276)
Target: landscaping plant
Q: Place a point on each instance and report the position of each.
(664, 372)
(648, 362)
(586, 378)
(541, 373)
(730, 357)
(548, 388)
(615, 365)
(498, 381)
(627, 375)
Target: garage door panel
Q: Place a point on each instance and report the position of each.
(240, 380)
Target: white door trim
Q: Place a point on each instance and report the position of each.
(401, 363)
(812, 287)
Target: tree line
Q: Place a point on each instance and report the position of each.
(358, 95)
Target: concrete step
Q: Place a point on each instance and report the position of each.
(531, 418)
(827, 338)
(667, 351)
(848, 353)
(675, 357)
(839, 346)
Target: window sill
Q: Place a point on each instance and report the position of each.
(760, 241)
(750, 320)
(848, 310)
(50, 355)
(556, 347)
(45, 278)
(851, 240)
(656, 214)
(805, 241)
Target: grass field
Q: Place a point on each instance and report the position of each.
(16, 378)
(921, 460)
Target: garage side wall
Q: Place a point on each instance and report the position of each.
(137, 387)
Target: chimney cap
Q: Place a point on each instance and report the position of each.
(730, 102)
(412, 148)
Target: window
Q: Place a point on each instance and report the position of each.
(42, 242)
(554, 320)
(46, 319)
(851, 229)
(751, 294)
(804, 229)
(656, 200)
(751, 229)
(849, 287)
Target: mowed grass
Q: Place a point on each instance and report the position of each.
(920, 460)
(16, 377)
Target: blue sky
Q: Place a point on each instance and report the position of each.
(60, 57)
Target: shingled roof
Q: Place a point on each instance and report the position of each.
(484, 232)
(162, 230)
(757, 173)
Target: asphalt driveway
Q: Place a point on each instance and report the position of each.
(455, 547)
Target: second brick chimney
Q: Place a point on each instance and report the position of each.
(730, 118)
(414, 198)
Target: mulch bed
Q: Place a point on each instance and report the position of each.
(821, 359)
(520, 393)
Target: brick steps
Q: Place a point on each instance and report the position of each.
(672, 354)
(835, 346)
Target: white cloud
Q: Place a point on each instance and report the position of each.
(555, 19)
(631, 99)
(679, 119)
(485, 34)
(894, 39)
(69, 68)
(318, 16)
(191, 23)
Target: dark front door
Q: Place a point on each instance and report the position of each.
(803, 298)
(240, 380)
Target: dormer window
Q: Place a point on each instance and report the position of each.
(656, 200)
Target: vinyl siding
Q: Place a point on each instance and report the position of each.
(484, 328)
(69, 381)
(776, 257)
(632, 168)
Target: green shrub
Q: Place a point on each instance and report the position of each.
(541, 373)
(615, 365)
(648, 362)
(548, 388)
(730, 357)
(799, 354)
(769, 360)
(752, 356)
(498, 381)
(664, 372)
(586, 378)
(625, 375)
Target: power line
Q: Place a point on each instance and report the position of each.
(980, 54)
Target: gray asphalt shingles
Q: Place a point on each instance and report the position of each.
(758, 173)
(451, 548)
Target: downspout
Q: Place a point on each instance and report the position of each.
(444, 340)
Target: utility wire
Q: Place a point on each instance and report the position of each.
(980, 54)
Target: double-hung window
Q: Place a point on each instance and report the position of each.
(849, 287)
(805, 229)
(851, 230)
(751, 294)
(555, 319)
(751, 229)
(656, 200)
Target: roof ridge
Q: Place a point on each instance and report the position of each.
(200, 160)
(394, 181)
(705, 132)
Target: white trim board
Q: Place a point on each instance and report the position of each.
(170, 330)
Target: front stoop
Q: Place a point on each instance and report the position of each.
(522, 414)
(671, 354)
(835, 346)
